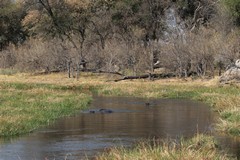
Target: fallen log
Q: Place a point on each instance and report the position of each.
(150, 76)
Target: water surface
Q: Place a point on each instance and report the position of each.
(86, 134)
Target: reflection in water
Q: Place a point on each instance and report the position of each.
(86, 134)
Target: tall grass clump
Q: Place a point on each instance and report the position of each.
(199, 147)
(230, 121)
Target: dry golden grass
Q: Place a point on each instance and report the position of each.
(94, 79)
(200, 147)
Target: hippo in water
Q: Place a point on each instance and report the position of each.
(105, 111)
(101, 111)
(147, 104)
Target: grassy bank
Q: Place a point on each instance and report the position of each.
(28, 102)
(223, 99)
(200, 147)
(26, 107)
(56, 89)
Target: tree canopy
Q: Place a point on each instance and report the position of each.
(234, 9)
(11, 29)
(62, 18)
(116, 34)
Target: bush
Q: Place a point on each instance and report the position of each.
(234, 9)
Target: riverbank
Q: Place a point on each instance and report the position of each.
(200, 147)
(223, 99)
(32, 101)
(27, 107)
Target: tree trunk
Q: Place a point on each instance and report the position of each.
(69, 68)
(78, 71)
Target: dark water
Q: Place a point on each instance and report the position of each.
(230, 145)
(87, 134)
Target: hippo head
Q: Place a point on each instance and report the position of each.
(105, 111)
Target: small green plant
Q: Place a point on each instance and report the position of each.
(8, 72)
(233, 7)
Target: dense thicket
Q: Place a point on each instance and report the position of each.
(11, 30)
(185, 37)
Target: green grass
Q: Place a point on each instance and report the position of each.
(224, 100)
(231, 116)
(230, 121)
(8, 72)
(29, 86)
(26, 107)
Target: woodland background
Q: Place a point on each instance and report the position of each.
(131, 37)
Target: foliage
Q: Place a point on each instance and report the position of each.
(11, 30)
(130, 14)
(48, 19)
(234, 8)
(119, 36)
